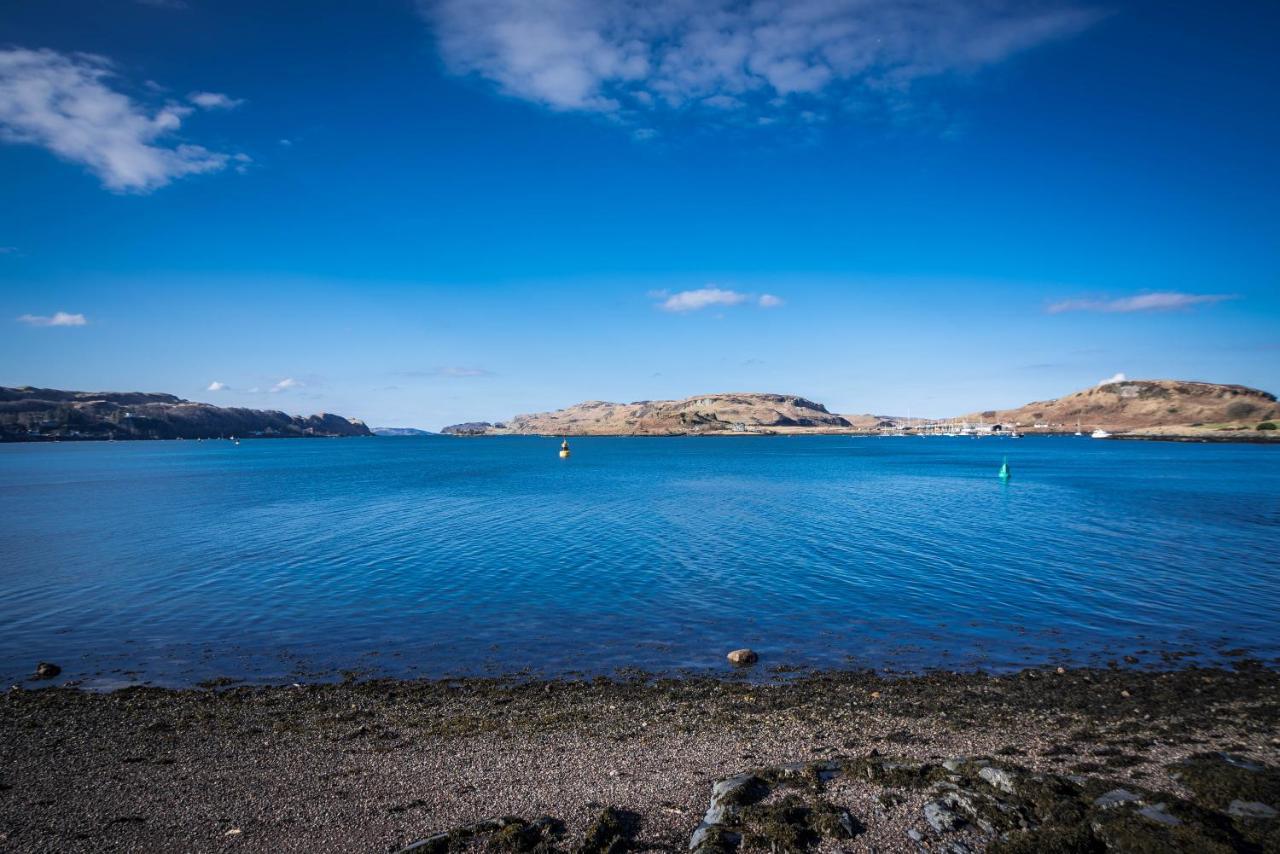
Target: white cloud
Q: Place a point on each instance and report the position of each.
(285, 384)
(699, 299)
(62, 102)
(58, 318)
(1116, 378)
(619, 56)
(217, 386)
(214, 101)
(770, 301)
(1160, 301)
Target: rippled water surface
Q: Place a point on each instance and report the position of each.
(174, 562)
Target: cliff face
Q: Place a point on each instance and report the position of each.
(713, 413)
(38, 414)
(1147, 405)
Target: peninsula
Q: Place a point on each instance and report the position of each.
(43, 414)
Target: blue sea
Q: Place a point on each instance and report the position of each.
(297, 560)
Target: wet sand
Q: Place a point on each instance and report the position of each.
(378, 765)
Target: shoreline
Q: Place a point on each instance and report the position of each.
(378, 765)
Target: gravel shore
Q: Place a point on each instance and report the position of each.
(376, 766)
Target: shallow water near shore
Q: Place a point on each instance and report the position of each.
(282, 560)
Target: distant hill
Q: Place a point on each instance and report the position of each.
(1147, 406)
(710, 413)
(1168, 408)
(400, 431)
(41, 414)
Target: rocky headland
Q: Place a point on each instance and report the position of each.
(42, 414)
(1044, 760)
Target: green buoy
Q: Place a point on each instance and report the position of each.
(1004, 469)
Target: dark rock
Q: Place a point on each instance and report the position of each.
(45, 670)
(612, 831)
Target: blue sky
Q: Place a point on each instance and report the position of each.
(422, 213)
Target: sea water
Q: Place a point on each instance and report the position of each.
(287, 560)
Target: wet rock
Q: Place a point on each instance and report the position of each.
(45, 670)
(940, 818)
(742, 657)
(1250, 809)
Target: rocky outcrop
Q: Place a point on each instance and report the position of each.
(38, 414)
(1146, 405)
(711, 413)
(973, 804)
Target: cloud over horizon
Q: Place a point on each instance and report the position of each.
(1160, 301)
(617, 57)
(63, 103)
(58, 318)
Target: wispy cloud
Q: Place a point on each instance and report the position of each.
(1113, 379)
(62, 102)
(214, 101)
(1160, 301)
(739, 56)
(217, 386)
(58, 318)
(699, 299)
(460, 372)
(710, 297)
(284, 385)
(8, 250)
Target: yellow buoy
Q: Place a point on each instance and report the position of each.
(564, 449)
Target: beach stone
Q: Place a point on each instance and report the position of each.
(998, 778)
(941, 819)
(743, 656)
(1250, 809)
(45, 670)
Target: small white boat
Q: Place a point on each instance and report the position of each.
(1100, 434)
